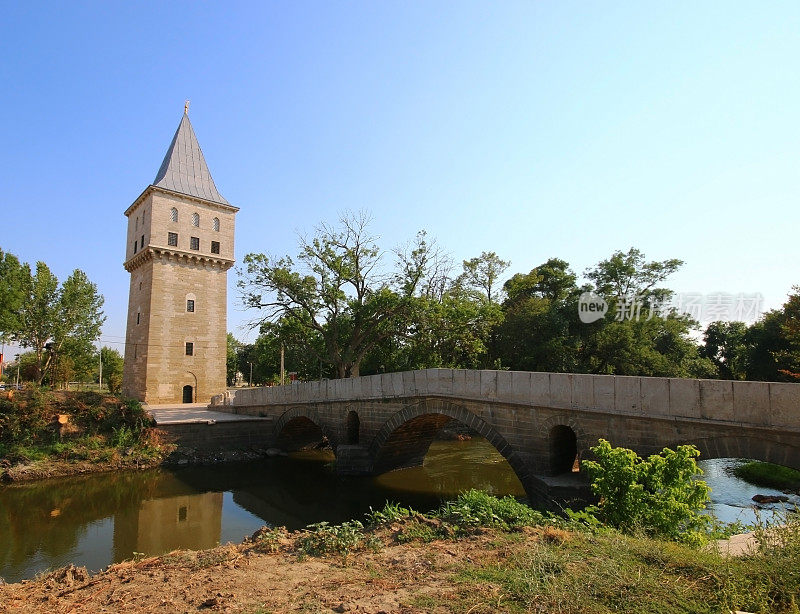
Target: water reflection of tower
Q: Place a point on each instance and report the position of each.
(161, 525)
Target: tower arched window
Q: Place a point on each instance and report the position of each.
(173, 214)
(195, 219)
(215, 224)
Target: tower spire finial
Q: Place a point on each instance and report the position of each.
(186, 107)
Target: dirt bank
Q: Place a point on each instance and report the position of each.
(246, 578)
(535, 569)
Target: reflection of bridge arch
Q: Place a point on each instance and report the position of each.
(766, 450)
(299, 427)
(404, 439)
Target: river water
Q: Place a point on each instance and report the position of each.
(96, 520)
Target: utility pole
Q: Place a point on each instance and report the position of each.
(101, 371)
(251, 374)
(281, 364)
(17, 359)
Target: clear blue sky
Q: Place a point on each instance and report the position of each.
(533, 129)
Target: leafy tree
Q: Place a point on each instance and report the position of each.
(451, 330)
(55, 315)
(630, 275)
(481, 274)
(75, 361)
(773, 345)
(232, 360)
(724, 344)
(338, 297)
(656, 347)
(540, 328)
(660, 495)
(28, 367)
(13, 276)
(112, 368)
(649, 340)
(790, 358)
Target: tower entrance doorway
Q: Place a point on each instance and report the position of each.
(188, 396)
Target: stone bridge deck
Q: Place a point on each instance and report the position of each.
(540, 422)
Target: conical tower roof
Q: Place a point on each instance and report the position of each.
(184, 169)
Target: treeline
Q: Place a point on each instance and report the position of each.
(58, 322)
(339, 309)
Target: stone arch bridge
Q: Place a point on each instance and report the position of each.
(540, 422)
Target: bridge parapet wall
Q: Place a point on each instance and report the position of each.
(754, 403)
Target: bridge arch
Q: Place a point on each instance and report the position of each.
(299, 427)
(742, 446)
(404, 439)
(565, 444)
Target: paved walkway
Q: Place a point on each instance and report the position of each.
(192, 413)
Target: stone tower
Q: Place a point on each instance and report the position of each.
(179, 250)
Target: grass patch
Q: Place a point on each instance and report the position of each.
(769, 475)
(623, 573)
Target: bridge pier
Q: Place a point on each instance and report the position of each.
(353, 460)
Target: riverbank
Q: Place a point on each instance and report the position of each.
(415, 563)
(165, 456)
(53, 434)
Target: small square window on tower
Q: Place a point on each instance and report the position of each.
(190, 305)
(189, 348)
(172, 239)
(194, 242)
(215, 247)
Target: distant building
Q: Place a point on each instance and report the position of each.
(179, 249)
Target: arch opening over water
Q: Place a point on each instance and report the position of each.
(563, 444)
(405, 439)
(298, 433)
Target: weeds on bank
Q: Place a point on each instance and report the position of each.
(391, 512)
(475, 508)
(268, 539)
(101, 428)
(324, 538)
(472, 510)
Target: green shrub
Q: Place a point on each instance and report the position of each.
(23, 422)
(124, 437)
(476, 508)
(324, 538)
(660, 495)
(269, 539)
(391, 512)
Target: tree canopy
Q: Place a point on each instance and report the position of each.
(339, 301)
(341, 310)
(59, 322)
